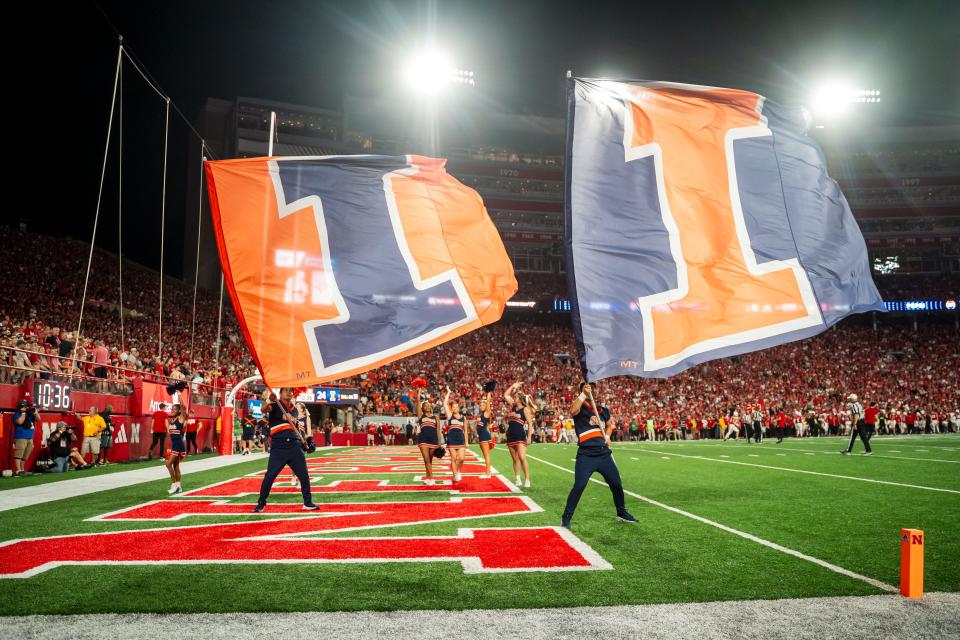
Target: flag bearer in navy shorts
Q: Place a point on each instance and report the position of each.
(286, 448)
(593, 427)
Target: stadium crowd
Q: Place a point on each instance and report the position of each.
(37, 329)
(906, 371)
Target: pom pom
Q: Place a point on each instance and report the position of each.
(489, 386)
(419, 383)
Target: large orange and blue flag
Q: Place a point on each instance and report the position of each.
(700, 223)
(337, 265)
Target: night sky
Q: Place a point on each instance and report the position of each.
(315, 53)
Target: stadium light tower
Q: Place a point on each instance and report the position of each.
(430, 72)
(834, 100)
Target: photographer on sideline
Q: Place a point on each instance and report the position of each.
(23, 425)
(60, 443)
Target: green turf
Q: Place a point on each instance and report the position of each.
(664, 558)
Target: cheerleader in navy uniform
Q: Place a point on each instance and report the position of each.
(593, 427)
(428, 439)
(456, 434)
(519, 432)
(484, 437)
(178, 448)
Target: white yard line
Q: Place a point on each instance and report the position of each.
(875, 455)
(87, 484)
(812, 473)
(743, 534)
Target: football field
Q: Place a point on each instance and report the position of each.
(717, 521)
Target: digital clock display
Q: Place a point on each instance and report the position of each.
(51, 395)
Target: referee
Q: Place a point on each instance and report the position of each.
(859, 427)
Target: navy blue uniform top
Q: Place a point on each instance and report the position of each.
(455, 422)
(428, 422)
(301, 422)
(590, 436)
(483, 429)
(516, 426)
(280, 429)
(175, 429)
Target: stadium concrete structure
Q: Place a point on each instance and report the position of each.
(903, 183)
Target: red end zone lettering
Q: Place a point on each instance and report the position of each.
(337, 516)
(239, 487)
(315, 466)
(478, 550)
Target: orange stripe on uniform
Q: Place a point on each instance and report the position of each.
(592, 433)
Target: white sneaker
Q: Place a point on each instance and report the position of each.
(172, 490)
(456, 478)
(429, 482)
(526, 485)
(518, 483)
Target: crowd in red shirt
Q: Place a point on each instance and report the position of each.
(906, 371)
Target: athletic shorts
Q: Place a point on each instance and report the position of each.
(90, 445)
(179, 454)
(22, 447)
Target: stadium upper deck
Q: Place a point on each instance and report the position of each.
(902, 184)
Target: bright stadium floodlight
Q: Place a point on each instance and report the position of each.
(835, 99)
(430, 71)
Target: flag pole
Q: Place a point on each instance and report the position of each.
(273, 125)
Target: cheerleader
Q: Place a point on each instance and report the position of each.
(484, 437)
(178, 448)
(519, 431)
(305, 427)
(456, 434)
(428, 440)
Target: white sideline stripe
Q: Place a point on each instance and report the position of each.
(811, 452)
(84, 485)
(812, 473)
(743, 534)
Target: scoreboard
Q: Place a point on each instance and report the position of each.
(51, 395)
(329, 395)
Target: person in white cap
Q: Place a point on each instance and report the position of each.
(859, 427)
